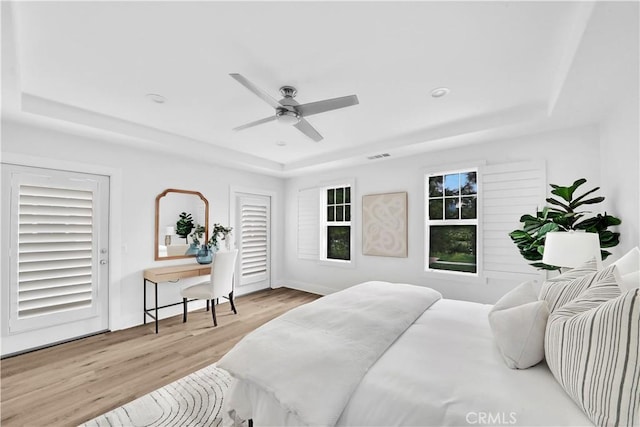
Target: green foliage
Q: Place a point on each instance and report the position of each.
(197, 234)
(184, 225)
(562, 216)
(219, 232)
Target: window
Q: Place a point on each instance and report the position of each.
(337, 223)
(452, 221)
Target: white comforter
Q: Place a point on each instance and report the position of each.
(310, 360)
(444, 370)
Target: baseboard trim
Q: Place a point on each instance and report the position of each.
(308, 287)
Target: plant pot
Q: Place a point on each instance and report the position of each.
(192, 249)
(205, 255)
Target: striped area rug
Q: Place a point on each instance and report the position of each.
(195, 400)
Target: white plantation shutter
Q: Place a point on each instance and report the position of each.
(55, 230)
(510, 190)
(254, 241)
(58, 239)
(308, 224)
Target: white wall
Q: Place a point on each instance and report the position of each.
(568, 155)
(139, 177)
(620, 171)
(594, 153)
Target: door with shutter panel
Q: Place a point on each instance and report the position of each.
(55, 225)
(253, 240)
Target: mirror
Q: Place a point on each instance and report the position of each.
(171, 237)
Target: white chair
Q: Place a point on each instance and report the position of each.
(220, 284)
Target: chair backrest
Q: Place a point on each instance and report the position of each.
(223, 268)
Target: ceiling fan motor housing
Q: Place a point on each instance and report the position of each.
(287, 115)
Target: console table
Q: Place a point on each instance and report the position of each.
(168, 274)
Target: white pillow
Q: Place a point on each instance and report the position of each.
(628, 270)
(629, 262)
(630, 281)
(518, 322)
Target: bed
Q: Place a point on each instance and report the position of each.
(442, 368)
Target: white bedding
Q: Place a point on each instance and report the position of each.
(312, 358)
(444, 370)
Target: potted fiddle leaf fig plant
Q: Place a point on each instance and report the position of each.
(184, 225)
(563, 215)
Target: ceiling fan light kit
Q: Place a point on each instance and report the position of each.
(289, 112)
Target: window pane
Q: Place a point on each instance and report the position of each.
(451, 208)
(469, 184)
(331, 213)
(435, 209)
(339, 213)
(452, 184)
(347, 195)
(331, 196)
(339, 242)
(468, 208)
(347, 212)
(435, 186)
(453, 247)
(339, 195)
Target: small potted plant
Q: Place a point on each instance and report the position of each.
(184, 225)
(220, 232)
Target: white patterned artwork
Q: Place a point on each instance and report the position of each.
(384, 224)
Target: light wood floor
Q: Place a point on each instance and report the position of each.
(71, 383)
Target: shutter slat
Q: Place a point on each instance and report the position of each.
(32, 190)
(54, 283)
(51, 255)
(54, 219)
(55, 301)
(53, 274)
(54, 210)
(42, 294)
(55, 237)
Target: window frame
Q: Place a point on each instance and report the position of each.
(452, 274)
(324, 223)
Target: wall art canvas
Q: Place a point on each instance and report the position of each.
(384, 224)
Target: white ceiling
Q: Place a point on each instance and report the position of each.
(512, 68)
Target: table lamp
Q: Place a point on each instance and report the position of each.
(170, 231)
(571, 249)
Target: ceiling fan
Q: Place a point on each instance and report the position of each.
(288, 111)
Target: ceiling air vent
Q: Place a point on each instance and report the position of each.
(379, 156)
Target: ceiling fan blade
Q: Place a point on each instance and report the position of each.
(256, 90)
(326, 105)
(306, 128)
(256, 123)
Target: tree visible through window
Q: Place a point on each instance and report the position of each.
(452, 221)
(338, 223)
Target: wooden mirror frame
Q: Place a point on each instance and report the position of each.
(157, 222)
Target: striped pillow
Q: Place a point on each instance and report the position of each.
(568, 286)
(592, 346)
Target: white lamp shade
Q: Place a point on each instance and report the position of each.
(571, 249)
(170, 231)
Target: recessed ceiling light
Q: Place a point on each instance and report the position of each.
(158, 99)
(439, 92)
(281, 143)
